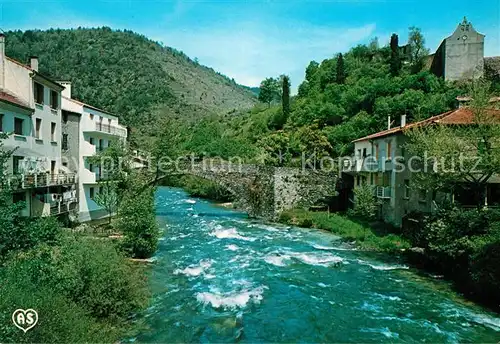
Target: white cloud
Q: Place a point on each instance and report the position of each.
(251, 51)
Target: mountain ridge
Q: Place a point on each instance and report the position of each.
(128, 74)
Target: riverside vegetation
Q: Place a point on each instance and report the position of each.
(84, 288)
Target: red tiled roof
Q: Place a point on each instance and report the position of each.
(12, 99)
(459, 116)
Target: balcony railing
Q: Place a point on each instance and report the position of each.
(110, 129)
(30, 181)
(383, 192)
(357, 164)
(63, 207)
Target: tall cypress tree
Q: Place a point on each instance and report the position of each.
(341, 74)
(395, 62)
(285, 95)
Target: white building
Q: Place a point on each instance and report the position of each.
(381, 160)
(30, 110)
(97, 128)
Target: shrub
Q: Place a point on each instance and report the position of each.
(465, 245)
(60, 320)
(24, 233)
(87, 272)
(137, 221)
(365, 203)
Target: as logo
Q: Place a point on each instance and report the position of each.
(25, 319)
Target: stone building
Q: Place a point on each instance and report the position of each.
(461, 55)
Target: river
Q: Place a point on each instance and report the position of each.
(220, 277)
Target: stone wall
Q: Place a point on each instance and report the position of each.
(266, 191)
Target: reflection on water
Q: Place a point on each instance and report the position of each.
(220, 277)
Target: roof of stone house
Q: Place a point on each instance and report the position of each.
(89, 106)
(459, 116)
(35, 72)
(13, 100)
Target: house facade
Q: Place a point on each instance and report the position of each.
(380, 160)
(30, 111)
(52, 137)
(97, 128)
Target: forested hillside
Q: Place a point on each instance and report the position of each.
(342, 98)
(128, 74)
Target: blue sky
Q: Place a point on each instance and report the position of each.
(250, 40)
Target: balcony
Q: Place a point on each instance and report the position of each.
(60, 204)
(90, 177)
(32, 181)
(383, 192)
(356, 164)
(110, 129)
(63, 207)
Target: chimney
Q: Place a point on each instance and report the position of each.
(34, 63)
(388, 122)
(403, 121)
(2, 60)
(67, 88)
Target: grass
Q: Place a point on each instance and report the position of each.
(366, 237)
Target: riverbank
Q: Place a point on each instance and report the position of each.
(462, 270)
(362, 235)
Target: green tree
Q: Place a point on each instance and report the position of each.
(275, 149)
(285, 95)
(108, 198)
(269, 90)
(418, 52)
(115, 163)
(365, 203)
(340, 71)
(136, 218)
(395, 62)
(453, 155)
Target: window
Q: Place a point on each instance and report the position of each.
(52, 167)
(371, 179)
(65, 117)
(422, 195)
(91, 117)
(389, 150)
(376, 152)
(101, 190)
(91, 167)
(64, 142)
(403, 152)
(91, 140)
(38, 128)
(19, 197)
(38, 93)
(91, 193)
(364, 153)
(53, 132)
(1, 122)
(54, 100)
(407, 189)
(17, 162)
(18, 126)
(101, 145)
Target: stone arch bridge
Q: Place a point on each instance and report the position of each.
(265, 191)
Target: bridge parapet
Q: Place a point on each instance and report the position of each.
(266, 191)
